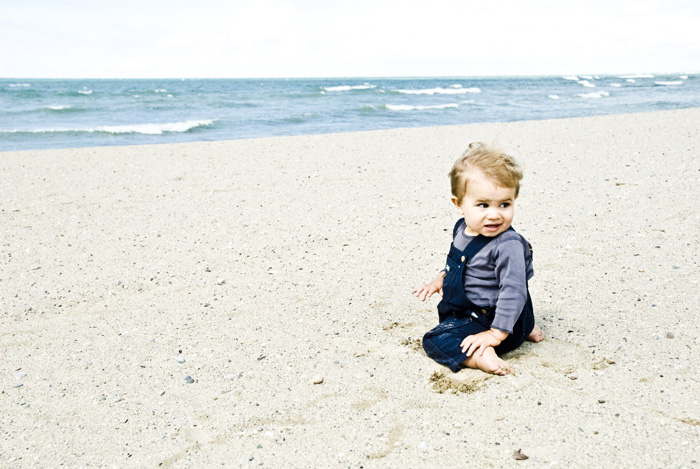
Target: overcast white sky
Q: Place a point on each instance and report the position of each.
(314, 38)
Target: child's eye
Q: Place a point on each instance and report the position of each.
(505, 204)
(482, 205)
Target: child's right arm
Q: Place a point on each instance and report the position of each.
(427, 290)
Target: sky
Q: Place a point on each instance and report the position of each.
(358, 38)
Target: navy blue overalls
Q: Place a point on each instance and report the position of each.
(459, 317)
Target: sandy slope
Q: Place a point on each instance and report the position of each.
(268, 264)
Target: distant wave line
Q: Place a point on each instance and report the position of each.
(431, 91)
(594, 95)
(407, 107)
(146, 129)
(366, 86)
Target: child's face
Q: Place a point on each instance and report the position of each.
(488, 208)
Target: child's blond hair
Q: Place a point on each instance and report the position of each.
(494, 163)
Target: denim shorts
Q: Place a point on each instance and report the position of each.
(442, 343)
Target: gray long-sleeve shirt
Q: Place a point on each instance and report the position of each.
(497, 275)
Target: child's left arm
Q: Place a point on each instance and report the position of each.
(482, 340)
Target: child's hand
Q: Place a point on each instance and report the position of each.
(482, 340)
(427, 290)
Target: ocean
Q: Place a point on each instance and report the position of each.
(60, 113)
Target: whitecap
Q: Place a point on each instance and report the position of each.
(571, 77)
(160, 91)
(587, 77)
(432, 91)
(683, 77)
(154, 129)
(146, 129)
(58, 108)
(349, 87)
(631, 80)
(598, 94)
(85, 92)
(587, 84)
(553, 96)
(20, 85)
(366, 108)
(616, 85)
(456, 86)
(669, 83)
(406, 107)
(638, 75)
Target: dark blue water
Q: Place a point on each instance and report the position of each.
(41, 114)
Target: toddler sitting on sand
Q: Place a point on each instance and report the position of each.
(486, 308)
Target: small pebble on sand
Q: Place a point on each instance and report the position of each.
(189, 380)
(317, 379)
(181, 359)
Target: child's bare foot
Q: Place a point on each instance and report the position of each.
(536, 335)
(488, 362)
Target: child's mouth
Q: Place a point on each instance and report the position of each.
(492, 227)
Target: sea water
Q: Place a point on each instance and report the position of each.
(59, 113)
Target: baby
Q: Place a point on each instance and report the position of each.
(486, 308)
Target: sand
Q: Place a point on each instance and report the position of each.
(247, 303)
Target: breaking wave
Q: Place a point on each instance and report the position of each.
(146, 129)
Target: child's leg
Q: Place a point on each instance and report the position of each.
(536, 335)
(488, 362)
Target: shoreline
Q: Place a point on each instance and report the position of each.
(346, 133)
(257, 267)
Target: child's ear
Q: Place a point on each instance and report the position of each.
(455, 201)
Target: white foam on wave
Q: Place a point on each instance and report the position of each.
(160, 91)
(406, 107)
(587, 77)
(553, 96)
(683, 77)
(598, 94)
(587, 84)
(20, 85)
(146, 129)
(432, 91)
(631, 80)
(616, 85)
(366, 86)
(571, 77)
(58, 108)
(85, 91)
(669, 83)
(638, 75)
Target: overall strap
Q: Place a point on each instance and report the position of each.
(475, 245)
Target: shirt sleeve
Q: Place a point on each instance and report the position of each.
(511, 272)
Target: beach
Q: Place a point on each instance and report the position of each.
(248, 303)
